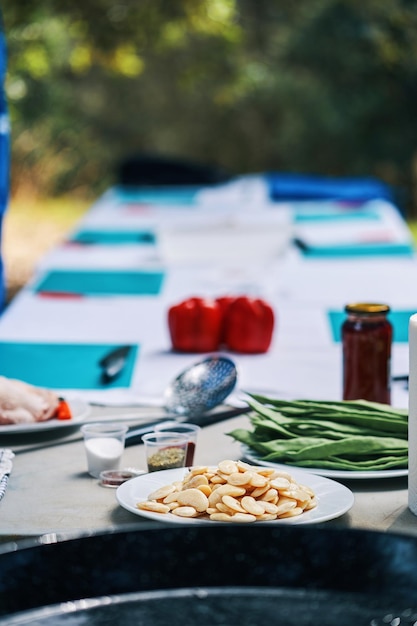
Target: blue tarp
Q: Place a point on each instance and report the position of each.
(317, 187)
(4, 155)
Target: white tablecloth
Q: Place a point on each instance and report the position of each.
(304, 359)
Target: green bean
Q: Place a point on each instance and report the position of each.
(350, 435)
(369, 419)
(339, 407)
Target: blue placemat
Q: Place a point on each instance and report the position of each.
(62, 365)
(398, 319)
(355, 250)
(102, 282)
(110, 237)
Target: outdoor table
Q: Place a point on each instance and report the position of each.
(50, 490)
(82, 295)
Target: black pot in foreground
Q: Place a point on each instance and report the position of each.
(217, 574)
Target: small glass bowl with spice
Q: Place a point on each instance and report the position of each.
(165, 450)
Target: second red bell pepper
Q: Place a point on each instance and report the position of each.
(195, 325)
(224, 302)
(248, 325)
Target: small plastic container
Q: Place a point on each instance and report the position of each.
(104, 446)
(165, 450)
(115, 477)
(190, 430)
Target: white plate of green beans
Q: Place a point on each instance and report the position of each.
(337, 439)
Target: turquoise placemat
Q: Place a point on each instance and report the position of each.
(357, 250)
(62, 365)
(157, 195)
(102, 282)
(398, 319)
(334, 215)
(109, 237)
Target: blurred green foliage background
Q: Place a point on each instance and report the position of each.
(318, 86)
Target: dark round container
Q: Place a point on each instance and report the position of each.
(222, 574)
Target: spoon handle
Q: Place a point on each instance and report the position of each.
(207, 419)
(134, 435)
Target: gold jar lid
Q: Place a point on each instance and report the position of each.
(367, 308)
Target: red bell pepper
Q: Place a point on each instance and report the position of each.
(224, 302)
(195, 325)
(248, 325)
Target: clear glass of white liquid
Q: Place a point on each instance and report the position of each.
(104, 446)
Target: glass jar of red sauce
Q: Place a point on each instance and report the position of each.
(367, 341)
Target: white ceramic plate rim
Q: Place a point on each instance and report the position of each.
(334, 499)
(79, 411)
(251, 456)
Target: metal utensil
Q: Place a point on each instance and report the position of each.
(134, 434)
(201, 387)
(194, 392)
(113, 363)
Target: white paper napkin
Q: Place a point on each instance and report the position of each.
(6, 465)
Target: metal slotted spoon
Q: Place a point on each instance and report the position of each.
(192, 394)
(201, 387)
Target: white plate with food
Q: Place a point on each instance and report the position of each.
(333, 499)
(79, 411)
(251, 456)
